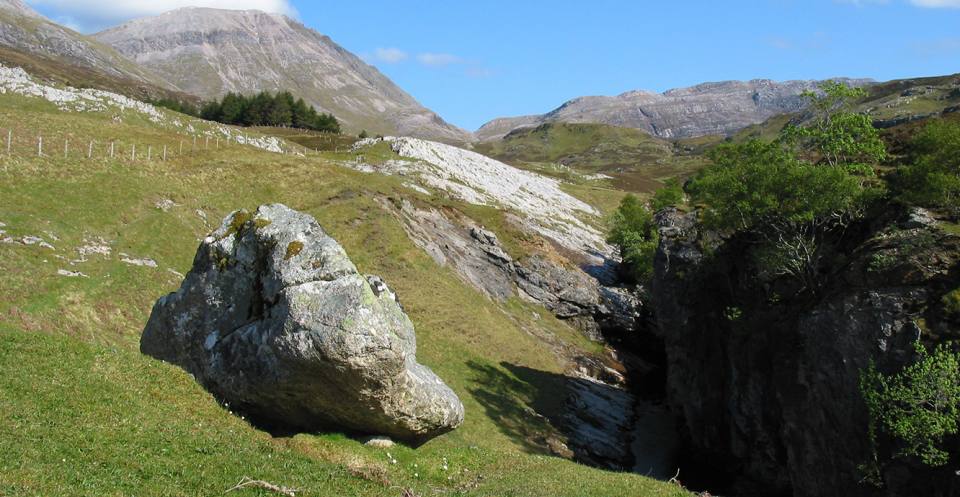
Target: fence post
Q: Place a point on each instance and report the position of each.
(194, 147)
(9, 140)
(111, 150)
(149, 152)
(181, 147)
(40, 146)
(206, 143)
(66, 147)
(133, 152)
(218, 143)
(164, 153)
(90, 150)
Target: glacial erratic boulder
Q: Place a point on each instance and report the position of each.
(275, 320)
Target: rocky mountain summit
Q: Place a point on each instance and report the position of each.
(275, 320)
(706, 109)
(20, 8)
(210, 52)
(25, 30)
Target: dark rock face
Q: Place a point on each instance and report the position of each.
(275, 320)
(767, 388)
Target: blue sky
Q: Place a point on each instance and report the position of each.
(474, 61)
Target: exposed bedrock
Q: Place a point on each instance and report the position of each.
(765, 382)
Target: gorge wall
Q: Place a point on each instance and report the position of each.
(765, 381)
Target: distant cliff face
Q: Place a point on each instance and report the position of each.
(210, 52)
(25, 30)
(707, 109)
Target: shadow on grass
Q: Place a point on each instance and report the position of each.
(539, 409)
(526, 404)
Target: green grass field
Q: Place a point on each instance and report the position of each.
(83, 413)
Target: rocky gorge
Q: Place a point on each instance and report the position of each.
(765, 382)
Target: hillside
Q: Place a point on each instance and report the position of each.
(628, 159)
(24, 31)
(896, 106)
(88, 244)
(210, 52)
(706, 109)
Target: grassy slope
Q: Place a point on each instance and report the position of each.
(637, 161)
(83, 413)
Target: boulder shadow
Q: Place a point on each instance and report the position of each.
(549, 413)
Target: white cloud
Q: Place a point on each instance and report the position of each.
(390, 55)
(937, 4)
(438, 59)
(91, 15)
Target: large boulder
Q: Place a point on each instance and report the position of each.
(275, 320)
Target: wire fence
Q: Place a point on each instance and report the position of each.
(19, 142)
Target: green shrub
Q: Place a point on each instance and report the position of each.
(951, 302)
(932, 178)
(916, 408)
(671, 195)
(633, 231)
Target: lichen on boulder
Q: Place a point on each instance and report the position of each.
(298, 338)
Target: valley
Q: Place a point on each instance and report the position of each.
(740, 288)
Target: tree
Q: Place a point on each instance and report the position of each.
(256, 113)
(363, 135)
(837, 136)
(917, 407)
(326, 123)
(671, 195)
(932, 177)
(211, 111)
(303, 115)
(280, 111)
(266, 109)
(232, 108)
(789, 194)
(634, 233)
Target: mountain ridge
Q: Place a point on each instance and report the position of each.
(210, 52)
(720, 107)
(25, 30)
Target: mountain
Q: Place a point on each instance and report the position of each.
(19, 8)
(706, 109)
(210, 52)
(25, 32)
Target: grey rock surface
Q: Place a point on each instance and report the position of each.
(18, 7)
(210, 52)
(275, 320)
(23, 29)
(707, 109)
(477, 256)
